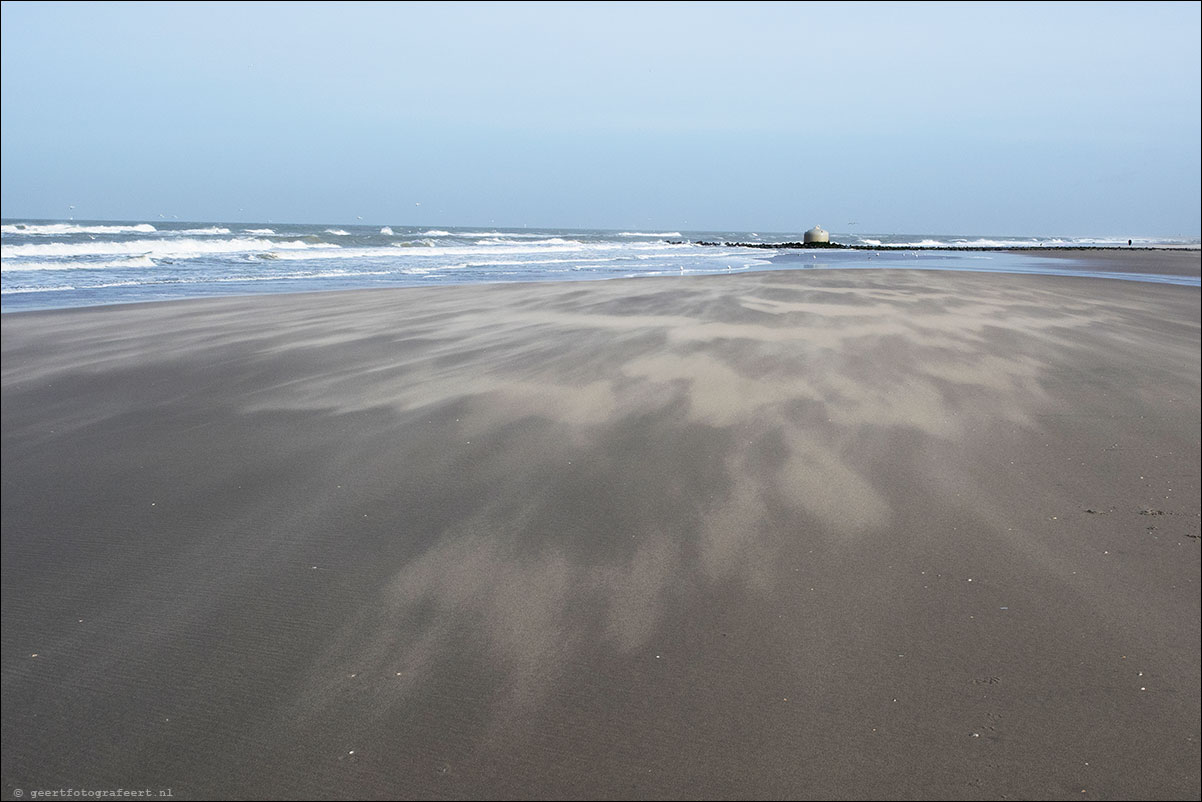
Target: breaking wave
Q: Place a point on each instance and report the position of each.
(157, 248)
(210, 230)
(65, 229)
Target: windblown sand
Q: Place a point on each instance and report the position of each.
(839, 534)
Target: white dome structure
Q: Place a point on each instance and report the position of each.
(817, 234)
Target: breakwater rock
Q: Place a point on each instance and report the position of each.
(994, 248)
(771, 245)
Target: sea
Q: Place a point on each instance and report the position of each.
(59, 264)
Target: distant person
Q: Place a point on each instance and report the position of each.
(1128, 242)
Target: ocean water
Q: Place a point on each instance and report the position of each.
(48, 264)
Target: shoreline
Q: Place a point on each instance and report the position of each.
(836, 246)
(1124, 263)
(854, 534)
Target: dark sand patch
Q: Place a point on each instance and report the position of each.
(1162, 262)
(841, 534)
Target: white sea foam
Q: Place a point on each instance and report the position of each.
(952, 243)
(499, 235)
(134, 261)
(62, 229)
(68, 287)
(994, 243)
(523, 248)
(338, 232)
(260, 232)
(386, 231)
(925, 243)
(549, 241)
(298, 276)
(157, 248)
(24, 290)
(504, 234)
(644, 234)
(210, 230)
(329, 252)
(430, 250)
(434, 252)
(308, 274)
(427, 270)
(130, 283)
(589, 260)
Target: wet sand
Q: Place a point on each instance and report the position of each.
(1163, 261)
(837, 534)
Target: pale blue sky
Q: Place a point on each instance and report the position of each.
(1042, 119)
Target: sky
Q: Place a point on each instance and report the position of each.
(1041, 119)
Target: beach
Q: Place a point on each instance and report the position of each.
(809, 534)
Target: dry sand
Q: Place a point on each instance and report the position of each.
(840, 534)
